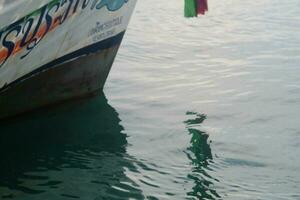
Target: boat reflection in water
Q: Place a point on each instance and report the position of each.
(77, 150)
(200, 155)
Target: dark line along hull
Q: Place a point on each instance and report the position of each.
(79, 74)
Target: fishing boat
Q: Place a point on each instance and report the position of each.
(56, 50)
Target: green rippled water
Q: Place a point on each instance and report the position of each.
(202, 108)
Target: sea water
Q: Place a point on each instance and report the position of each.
(200, 108)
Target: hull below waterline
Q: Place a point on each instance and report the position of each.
(75, 79)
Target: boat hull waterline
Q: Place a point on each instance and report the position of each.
(62, 50)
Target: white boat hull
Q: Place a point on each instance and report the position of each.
(64, 49)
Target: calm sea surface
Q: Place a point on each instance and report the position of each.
(203, 108)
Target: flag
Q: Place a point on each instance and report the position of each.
(202, 7)
(190, 8)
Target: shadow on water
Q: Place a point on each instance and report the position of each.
(200, 155)
(75, 151)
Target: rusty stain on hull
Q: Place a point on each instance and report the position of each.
(75, 79)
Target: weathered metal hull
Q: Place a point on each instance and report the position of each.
(61, 51)
(79, 78)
